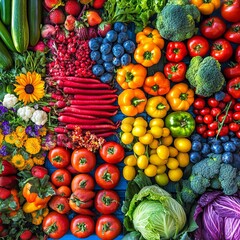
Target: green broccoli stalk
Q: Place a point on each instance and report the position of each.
(187, 194)
(204, 74)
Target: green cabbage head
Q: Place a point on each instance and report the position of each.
(155, 214)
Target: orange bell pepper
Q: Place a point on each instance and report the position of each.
(180, 97)
(157, 84)
(147, 54)
(149, 35)
(132, 102)
(206, 7)
(131, 76)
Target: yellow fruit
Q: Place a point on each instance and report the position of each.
(163, 152)
(152, 151)
(161, 169)
(130, 160)
(142, 161)
(155, 159)
(173, 152)
(162, 179)
(172, 163)
(182, 144)
(138, 148)
(138, 131)
(140, 121)
(183, 159)
(127, 138)
(175, 174)
(156, 131)
(154, 144)
(156, 122)
(129, 120)
(126, 127)
(150, 170)
(166, 132)
(167, 141)
(129, 173)
(146, 138)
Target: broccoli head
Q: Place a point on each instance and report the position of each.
(176, 22)
(205, 75)
(199, 184)
(187, 194)
(215, 183)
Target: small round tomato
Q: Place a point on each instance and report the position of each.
(208, 119)
(63, 191)
(107, 176)
(213, 125)
(82, 226)
(237, 107)
(215, 111)
(233, 33)
(227, 98)
(230, 10)
(201, 128)
(212, 102)
(197, 46)
(236, 116)
(222, 105)
(211, 133)
(224, 131)
(234, 126)
(106, 201)
(205, 111)
(199, 103)
(83, 181)
(59, 157)
(83, 160)
(221, 50)
(112, 152)
(108, 227)
(199, 119)
(61, 177)
(55, 225)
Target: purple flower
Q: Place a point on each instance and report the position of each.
(6, 128)
(36, 129)
(3, 110)
(29, 131)
(3, 151)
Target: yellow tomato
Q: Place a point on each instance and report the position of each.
(167, 141)
(173, 152)
(142, 161)
(161, 169)
(146, 139)
(140, 121)
(156, 131)
(163, 152)
(127, 138)
(138, 131)
(150, 170)
(156, 122)
(129, 173)
(152, 151)
(182, 144)
(130, 160)
(175, 174)
(162, 179)
(183, 159)
(129, 120)
(126, 127)
(172, 163)
(138, 148)
(166, 132)
(154, 144)
(155, 159)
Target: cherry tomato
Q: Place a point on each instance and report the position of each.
(222, 105)
(201, 128)
(212, 102)
(221, 117)
(238, 134)
(213, 125)
(106, 201)
(83, 181)
(63, 191)
(199, 103)
(208, 119)
(197, 46)
(107, 176)
(221, 50)
(211, 133)
(205, 134)
(227, 98)
(237, 54)
(237, 107)
(230, 10)
(234, 127)
(59, 157)
(196, 111)
(199, 119)
(112, 152)
(108, 227)
(215, 111)
(224, 131)
(61, 177)
(205, 111)
(236, 116)
(83, 160)
(82, 226)
(233, 103)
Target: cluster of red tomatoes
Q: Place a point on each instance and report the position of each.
(88, 190)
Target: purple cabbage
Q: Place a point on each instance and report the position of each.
(218, 217)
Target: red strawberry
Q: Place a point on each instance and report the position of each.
(69, 23)
(72, 7)
(53, 3)
(26, 235)
(103, 28)
(57, 16)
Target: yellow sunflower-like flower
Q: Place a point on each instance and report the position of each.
(11, 138)
(30, 87)
(1, 138)
(42, 131)
(18, 142)
(20, 131)
(18, 161)
(32, 145)
(29, 164)
(38, 160)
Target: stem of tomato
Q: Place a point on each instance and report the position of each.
(52, 228)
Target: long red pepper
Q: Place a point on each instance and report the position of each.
(91, 101)
(90, 127)
(74, 79)
(68, 90)
(95, 97)
(97, 107)
(62, 84)
(75, 120)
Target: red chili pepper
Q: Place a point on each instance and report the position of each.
(233, 87)
(232, 71)
(175, 71)
(176, 51)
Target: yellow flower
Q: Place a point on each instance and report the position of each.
(32, 145)
(1, 138)
(18, 143)
(42, 131)
(30, 87)
(38, 161)
(11, 138)
(18, 161)
(20, 130)
(29, 164)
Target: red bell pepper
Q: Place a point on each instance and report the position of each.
(233, 87)
(6, 168)
(176, 51)
(4, 193)
(232, 71)
(175, 71)
(8, 181)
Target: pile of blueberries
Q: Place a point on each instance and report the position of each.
(112, 51)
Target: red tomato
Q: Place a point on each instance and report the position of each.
(224, 131)
(236, 116)
(233, 33)
(199, 103)
(175, 71)
(237, 107)
(201, 128)
(212, 102)
(221, 117)
(199, 119)
(63, 191)
(55, 225)
(213, 27)
(82, 226)
(213, 125)
(107, 176)
(176, 51)
(83, 160)
(107, 201)
(59, 204)
(197, 46)
(237, 54)
(83, 181)
(238, 134)
(222, 105)
(208, 119)
(108, 227)
(230, 10)
(227, 98)
(221, 50)
(112, 152)
(234, 126)
(61, 177)
(59, 157)
(233, 87)
(211, 133)
(205, 111)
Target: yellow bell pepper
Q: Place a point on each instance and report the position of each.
(131, 76)
(206, 7)
(157, 107)
(31, 207)
(180, 97)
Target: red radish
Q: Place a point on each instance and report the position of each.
(66, 119)
(106, 134)
(96, 97)
(69, 90)
(97, 107)
(57, 16)
(70, 114)
(48, 31)
(69, 23)
(60, 130)
(89, 102)
(52, 3)
(103, 28)
(74, 79)
(39, 171)
(41, 47)
(90, 127)
(72, 7)
(81, 85)
(57, 97)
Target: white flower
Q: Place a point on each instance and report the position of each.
(25, 113)
(39, 117)
(9, 100)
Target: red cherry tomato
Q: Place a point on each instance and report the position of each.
(201, 128)
(234, 126)
(213, 125)
(205, 111)
(199, 103)
(227, 98)
(215, 111)
(224, 131)
(212, 102)
(211, 133)
(237, 107)
(199, 119)
(208, 119)
(222, 105)
(236, 116)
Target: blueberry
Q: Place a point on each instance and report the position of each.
(122, 37)
(196, 137)
(106, 48)
(129, 46)
(111, 36)
(107, 57)
(95, 55)
(109, 67)
(106, 77)
(98, 70)
(227, 157)
(236, 160)
(224, 138)
(213, 140)
(116, 62)
(94, 44)
(196, 146)
(105, 40)
(229, 147)
(118, 50)
(217, 148)
(219, 96)
(195, 157)
(125, 59)
(99, 39)
(205, 149)
(236, 141)
(120, 27)
(100, 61)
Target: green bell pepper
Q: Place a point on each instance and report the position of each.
(180, 124)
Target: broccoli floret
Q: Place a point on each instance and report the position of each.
(199, 184)
(215, 183)
(187, 194)
(176, 22)
(205, 75)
